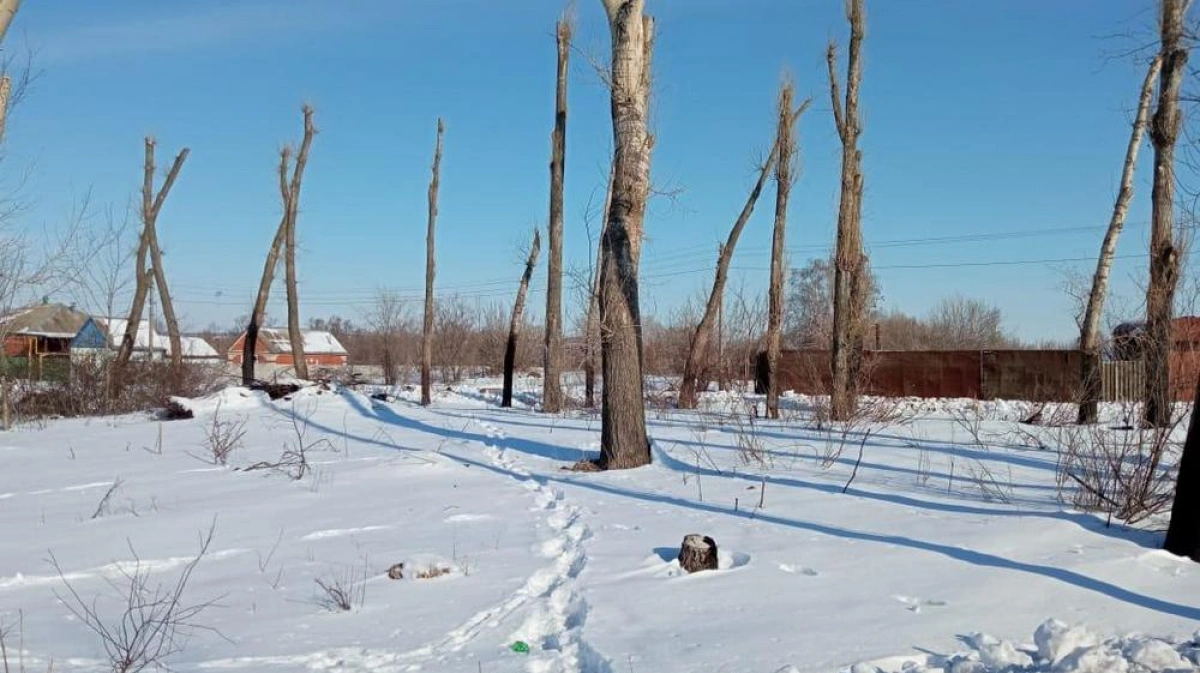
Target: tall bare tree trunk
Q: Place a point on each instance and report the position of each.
(623, 440)
(1089, 330)
(8, 10)
(591, 338)
(552, 394)
(292, 206)
(250, 343)
(160, 276)
(427, 326)
(786, 148)
(514, 327)
(1183, 532)
(289, 194)
(1164, 261)
(849, 303)
(152, 204)
(698, 350)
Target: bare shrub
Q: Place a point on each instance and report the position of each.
(751, 449)
(155, 621)
(1124, 472)
(222, 436)
(105, 502)
(293, 461)
(90, 389)
(344, 590)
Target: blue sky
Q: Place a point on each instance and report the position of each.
(980, 119)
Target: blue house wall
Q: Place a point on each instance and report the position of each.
(90, 336)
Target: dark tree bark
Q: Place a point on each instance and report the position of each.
(250, 344)
(1183, 533)
(292, 207)
(1089, 330)
(591, 339)
(552, 394)
(702, 337)
(786, 142)
(514, 327)
(427, 324)
(1164, 260)
(698, 552)
(152, 204)
(623, 441)
(849, 303)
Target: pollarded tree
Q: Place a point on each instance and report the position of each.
(430, 266)
(623, 439)
(786, 147)
(552, 393)
(518, 311)
(850, 292)
(1089, 329)
(1164, 257)
(702, 337)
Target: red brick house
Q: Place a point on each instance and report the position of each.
(321, 349)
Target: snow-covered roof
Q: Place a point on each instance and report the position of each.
(316, 342)
(147, 336)
(195, 347)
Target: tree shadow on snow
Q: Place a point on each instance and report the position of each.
(388, 415)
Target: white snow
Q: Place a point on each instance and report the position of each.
(920, 566)
(148, 338)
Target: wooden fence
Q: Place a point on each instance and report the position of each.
(1122, 380)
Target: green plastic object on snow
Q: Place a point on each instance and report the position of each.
(520, 646)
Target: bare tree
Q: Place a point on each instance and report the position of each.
(1089, 331)
(786, 148)
(289, 194)
(152, 204)
(518, 311)
(258, 313)
(1164, 260)
(8, 10)
(698, 350)
(552, 394)
(427, 325)
(387, 319)
(623, 440)
(849, 293)
(292, 208)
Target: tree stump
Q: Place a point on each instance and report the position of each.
(698, 552)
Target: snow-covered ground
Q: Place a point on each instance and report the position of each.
(950, 530)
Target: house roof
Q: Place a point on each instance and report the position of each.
(1184, 328)
(193, 347)
(316, 342)
(45, 320)
(145, 339)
